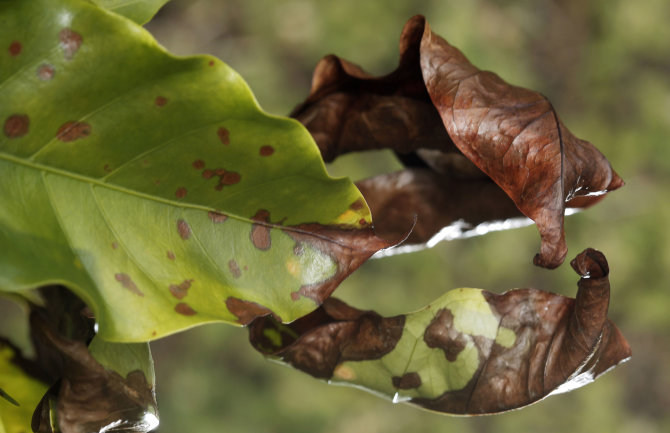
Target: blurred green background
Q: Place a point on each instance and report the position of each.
(605, 65)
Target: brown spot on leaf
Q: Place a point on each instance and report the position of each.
(295, 296)
(357, 205)
(260, 233)
(170, 255)
(330, 335)
(198, 164)
(224, 135)
(107, 168)
(16, 125)
(15, 48)
(181, 192)
(160, 101)
(362, 221)
(184, 229)
(230, 178)
(45, 72)
(217, 217)
(407, 381)
(70, 41)
(73, 130)
(247, 311)
(442, 334)
(128, 283)
(153, 333)
(211, 63)
(234, 268)
(207, 174)
(115, 245)
(184, 309)
(180, 290)
(266, 150)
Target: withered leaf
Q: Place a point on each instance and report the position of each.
(439, 109)
(470, 352)
(84, 396)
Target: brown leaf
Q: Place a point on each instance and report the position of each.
(434, 109)
(89, 397)
(85, 396)
(471, 352)
(437, 202)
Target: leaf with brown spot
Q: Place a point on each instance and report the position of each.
(458, 125)
(469, 352)
(110, 166)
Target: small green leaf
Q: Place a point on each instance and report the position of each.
(154, 187)
(140, 11)
(24, 393)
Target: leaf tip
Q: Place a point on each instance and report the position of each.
(590, 263)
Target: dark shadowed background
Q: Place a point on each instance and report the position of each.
(605, 65)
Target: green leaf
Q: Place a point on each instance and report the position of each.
(153, 186)
(124, 358)
(25, 390)
(469, 352)
(140, 11)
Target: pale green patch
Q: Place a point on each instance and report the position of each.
(472, 314)
(273, 335)
(472, 317)
(506, 337)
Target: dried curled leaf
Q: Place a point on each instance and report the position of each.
(90, 397)
(92, 385)
(470, 352)
(437, 109)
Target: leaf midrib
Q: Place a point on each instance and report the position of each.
(134, 193)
